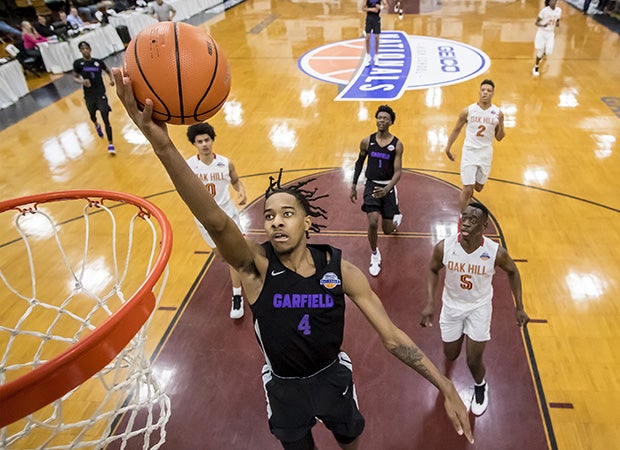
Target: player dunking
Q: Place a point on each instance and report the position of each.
(385, 158)
(484, 122)
(217, 172)
(297, 295)
(470, 260)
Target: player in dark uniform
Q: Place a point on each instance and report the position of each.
(87, 71)
(296, 293)
(385, 158)
(372, 8)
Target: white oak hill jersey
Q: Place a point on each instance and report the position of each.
(468, 282)
(480, 132)
(215, 177)
(550, 18)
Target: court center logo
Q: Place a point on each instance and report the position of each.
(404, 63)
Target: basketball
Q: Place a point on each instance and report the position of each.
(181, 69)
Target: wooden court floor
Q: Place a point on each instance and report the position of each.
(553, 190)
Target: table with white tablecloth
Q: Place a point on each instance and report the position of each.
(58, 57)
(187, 8)
(12, 83)
(134, 21)
(137, 20)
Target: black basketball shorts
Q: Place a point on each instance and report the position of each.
(373, 23)
(99, 102)
(387, 206)
(294, 404)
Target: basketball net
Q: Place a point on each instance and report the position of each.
(78, 276)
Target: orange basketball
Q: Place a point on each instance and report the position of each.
(180, 68)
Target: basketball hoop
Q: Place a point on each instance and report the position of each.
(73, 332)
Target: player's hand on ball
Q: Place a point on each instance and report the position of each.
(155, 132)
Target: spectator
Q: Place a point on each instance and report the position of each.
(31, 38)
(161, 11)
(42, 27)
(74, 18)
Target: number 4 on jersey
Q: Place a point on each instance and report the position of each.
(304, 324)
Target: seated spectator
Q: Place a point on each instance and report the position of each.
(31, 38)
(62, 17)
(61, 27)
(74, 18)
(42, 27)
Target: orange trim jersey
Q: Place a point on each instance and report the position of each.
(215, 177)
(469, 276)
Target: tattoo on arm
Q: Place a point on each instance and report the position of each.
(413, 356)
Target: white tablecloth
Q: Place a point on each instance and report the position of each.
(59, 57)
(187, 8)
(134, 21)
(12, 83)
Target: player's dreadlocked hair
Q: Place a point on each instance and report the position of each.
(305, 197)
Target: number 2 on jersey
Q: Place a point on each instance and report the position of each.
(481, 130)
(304, 324)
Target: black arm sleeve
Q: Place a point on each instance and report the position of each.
(359, 164)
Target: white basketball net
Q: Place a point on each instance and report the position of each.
(62, 275)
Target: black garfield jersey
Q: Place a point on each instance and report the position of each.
(91, 69)
(380, 165)
(299, 322)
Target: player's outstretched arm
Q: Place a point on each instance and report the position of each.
(356, 286)
(460, 123)
(436, 264)
(506, 263)
(230, 243)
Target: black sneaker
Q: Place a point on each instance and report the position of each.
(236, 310)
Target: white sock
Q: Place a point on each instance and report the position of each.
(236, 291)
(481, 384)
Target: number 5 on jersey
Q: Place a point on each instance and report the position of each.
(466, 282)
